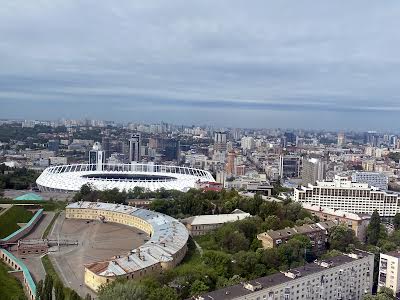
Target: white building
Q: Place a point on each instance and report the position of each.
(347, 276)
(389, 271)
(378, 180)
(345, 195)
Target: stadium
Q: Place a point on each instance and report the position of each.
(70, 178)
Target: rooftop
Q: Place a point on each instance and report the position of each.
(216, 219)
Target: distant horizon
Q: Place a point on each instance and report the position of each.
(126, 122)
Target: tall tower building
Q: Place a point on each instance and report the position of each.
(313, 170)
(135, 145)
(230, 164)
(341, 139)
(97, 157)
(220, 141)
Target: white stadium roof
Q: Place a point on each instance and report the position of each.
(121, 176)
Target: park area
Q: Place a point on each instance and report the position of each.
(10, 219)
(10, 287)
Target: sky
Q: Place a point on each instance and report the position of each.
(291, 64)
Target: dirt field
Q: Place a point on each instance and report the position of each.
(97, 241)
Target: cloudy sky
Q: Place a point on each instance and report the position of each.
(308, 64)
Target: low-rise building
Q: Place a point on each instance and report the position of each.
(347, 276)
(199, 225)
(165, 249)
(357, 222)
(318, 234)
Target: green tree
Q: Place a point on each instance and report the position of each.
(48, 288)
(128, 290)
(396, 221)
(198, 287)
(271, 222)
(164, 293)
(59, 290)
(39, 290)
(374, 229)
(341, 237)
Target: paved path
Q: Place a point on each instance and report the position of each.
(33, 261)
(5, 208)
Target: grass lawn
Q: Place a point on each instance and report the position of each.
(47, 205)
(10, 287)
(47, 231)
(9, 220)
(49, 268)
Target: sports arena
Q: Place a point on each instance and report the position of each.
(70, 178)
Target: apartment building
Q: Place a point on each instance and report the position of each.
(318, 234)
(375, 179)
(344, 277)
(357, 222)
(389, 271)
(349, 196)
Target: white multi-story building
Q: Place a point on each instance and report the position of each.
(389, 271)
(347, 276)
(376, 179)
(346, 195)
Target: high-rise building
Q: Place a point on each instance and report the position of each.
(97, 157)
(341, 139)
(289, 166)
(290, 137)
(247, 143)
(105, 142)
(220, 141)
(371, 138)
(230, 164)
(313, 170)
(346, 276)
(53, 145)
(349, 196)
(376, 179)
(389, 271)
(135, 145)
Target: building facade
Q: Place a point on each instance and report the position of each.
(344, 277)
(357, 222)
(313, 170)
(348, 196)
(135, 144)
(289, 166)
(389, 271)
(317, 233)
(375, 179)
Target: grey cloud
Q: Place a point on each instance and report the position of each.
(264, 57)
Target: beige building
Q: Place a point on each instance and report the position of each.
(357, 222)
(345, 277)
(165, 249)
(389, 271)
(199, 225)
(318, 234)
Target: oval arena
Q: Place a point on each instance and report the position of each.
(70, 178)
(165, 249)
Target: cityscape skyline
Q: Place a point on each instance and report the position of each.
(266, 65)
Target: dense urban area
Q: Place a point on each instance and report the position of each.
(210, 213)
